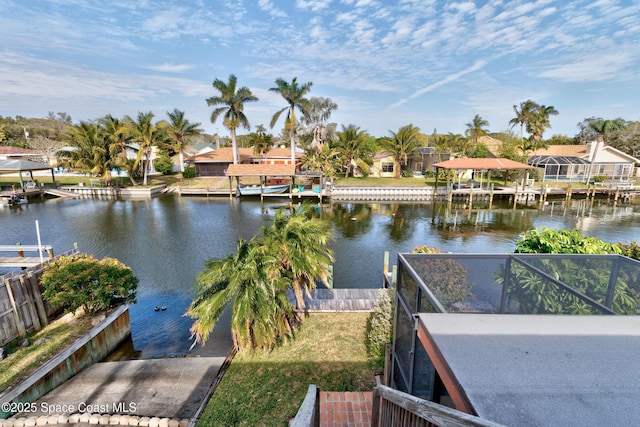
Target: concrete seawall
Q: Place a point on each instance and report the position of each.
(89, 349)
(382, 193)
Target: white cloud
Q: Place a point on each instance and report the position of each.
(593, 69)
(448, 79)
(367, 53)
(313, 5)
(171, 68)
(268, 6)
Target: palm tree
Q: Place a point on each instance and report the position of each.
(539, 121)
(352, 148)
(114, 133)
(147, 135)
(325, 160)
(180, 130)
(90, 151)
(261, 314)
(319, 111)
(523, 115)
(294, 94)
(603, 128)
(261, 141)
(402, 144)
(232, 100)
(476, 129)
(300, 245)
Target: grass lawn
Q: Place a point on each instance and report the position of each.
(266, 389)
(21, 362)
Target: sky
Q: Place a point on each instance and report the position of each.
(432, 63)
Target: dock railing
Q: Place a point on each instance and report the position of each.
(392, 407)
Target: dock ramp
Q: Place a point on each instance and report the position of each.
(60, 193)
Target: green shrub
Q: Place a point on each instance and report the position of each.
(549, 241)
(531, 293)
(163, 164)
(631, 249)
(189, 172)
(380, 329)
(599, 178)
(407, 173)
(78, 281)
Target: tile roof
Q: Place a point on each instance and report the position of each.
(563, 150)
(482, 163)
(225, 155)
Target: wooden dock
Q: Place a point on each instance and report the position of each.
(346, 300)
(19, 260)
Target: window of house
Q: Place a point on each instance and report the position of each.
(387, 167)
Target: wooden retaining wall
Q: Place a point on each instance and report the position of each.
(89, 349)
(22, 308)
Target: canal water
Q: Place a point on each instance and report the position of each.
(166, 241)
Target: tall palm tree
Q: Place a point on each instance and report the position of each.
(232, 100)
(352, 148)
(523, 115)
(179, 131)
(319, 111)
(402, 144)
(146, 134)
(476, 129)
(294, 93)
(300, 244)
(539, 121)
(261, 314)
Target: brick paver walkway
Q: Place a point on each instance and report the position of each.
(345, 409)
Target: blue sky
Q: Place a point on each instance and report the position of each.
(435, 64)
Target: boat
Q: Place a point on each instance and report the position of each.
(13, 200)
(256, 190)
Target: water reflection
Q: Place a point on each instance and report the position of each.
(351, 219)
(166, 241)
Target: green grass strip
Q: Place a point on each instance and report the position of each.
(266, 389)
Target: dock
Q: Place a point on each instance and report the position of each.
(324, 300)
(20, 261)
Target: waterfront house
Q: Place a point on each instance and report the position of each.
(384, 164)
(216, 162)
(422, 159)
(585, 162)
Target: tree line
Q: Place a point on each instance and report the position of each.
(100, 145)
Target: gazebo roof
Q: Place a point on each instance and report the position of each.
(19, 165)
(482, 163)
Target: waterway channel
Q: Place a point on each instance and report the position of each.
(167, 239)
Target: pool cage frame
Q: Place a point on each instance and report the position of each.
(493, 284)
